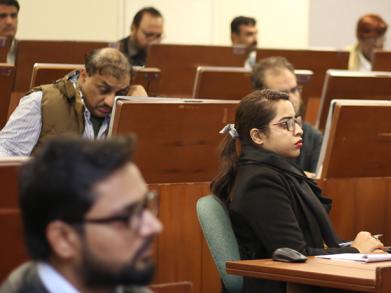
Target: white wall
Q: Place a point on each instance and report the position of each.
(70, 19)
(333, 22)
(282, 23)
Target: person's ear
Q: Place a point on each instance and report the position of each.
(234, 38)
(63, 239)
(83, 75)
(132, 29)
(257, 136)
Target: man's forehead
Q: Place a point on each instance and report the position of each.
(111, 80)
(151, 20)
(247, 28)
(7, 8)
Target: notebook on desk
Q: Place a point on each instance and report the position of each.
(361, 257)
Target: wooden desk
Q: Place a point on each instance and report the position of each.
(233, 83)
(344, 84)
(7, 72)
(30, 52)
(374, 277)
(381, 60)
(178, 64)
(183, 132)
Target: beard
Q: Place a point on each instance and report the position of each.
(136, 272)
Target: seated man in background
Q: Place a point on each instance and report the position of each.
(277, 73)
(244, 33)
(88, 219)
(80, 103)
(9, 10)
(146, 29)
(370, 32)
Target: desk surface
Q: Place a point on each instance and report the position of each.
(364, 277)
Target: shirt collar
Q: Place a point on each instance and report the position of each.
(53, 281)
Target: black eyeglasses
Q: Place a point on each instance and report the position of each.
(290, 123)
(293, 90)
(133, 218)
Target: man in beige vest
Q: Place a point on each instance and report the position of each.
(80, 104)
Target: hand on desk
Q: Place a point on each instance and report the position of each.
(366, 243)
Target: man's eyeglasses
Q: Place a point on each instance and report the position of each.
(290, 123)
(151, 35)
(293, 90)
(133, 217)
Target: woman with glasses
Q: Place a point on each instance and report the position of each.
(272, 203)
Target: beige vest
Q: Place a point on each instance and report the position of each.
(62, 111)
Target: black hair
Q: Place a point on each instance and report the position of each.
(256, 110)
(139, 15)
(10, 3)
(57, 184)
(241, 20)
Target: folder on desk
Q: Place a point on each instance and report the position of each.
(361, 257)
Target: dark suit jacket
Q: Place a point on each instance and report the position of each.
(25, 279)
(275, 205)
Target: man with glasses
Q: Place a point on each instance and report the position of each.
(9, 10)
(277, 73)
(146, 29)
(89, 220)
(370, 33)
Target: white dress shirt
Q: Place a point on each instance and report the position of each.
(53, 281)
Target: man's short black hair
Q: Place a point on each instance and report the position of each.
(241, 20)
(57, 184)
(10, 3)
(139, 15)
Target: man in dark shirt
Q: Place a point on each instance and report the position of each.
(9, 10)
(89, 220)
(146, 29)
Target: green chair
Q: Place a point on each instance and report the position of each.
(221, 240)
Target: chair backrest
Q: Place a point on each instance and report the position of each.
(221, 240)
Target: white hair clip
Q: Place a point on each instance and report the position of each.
(230, 128)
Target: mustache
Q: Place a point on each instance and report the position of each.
(144, 247)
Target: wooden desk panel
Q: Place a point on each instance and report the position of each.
(7, 73)
(374, 277)
(173, 135)
(382, 60)
(360, 204)
(12, 249)
(178, 64)
(30, 52)
(343, 84)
